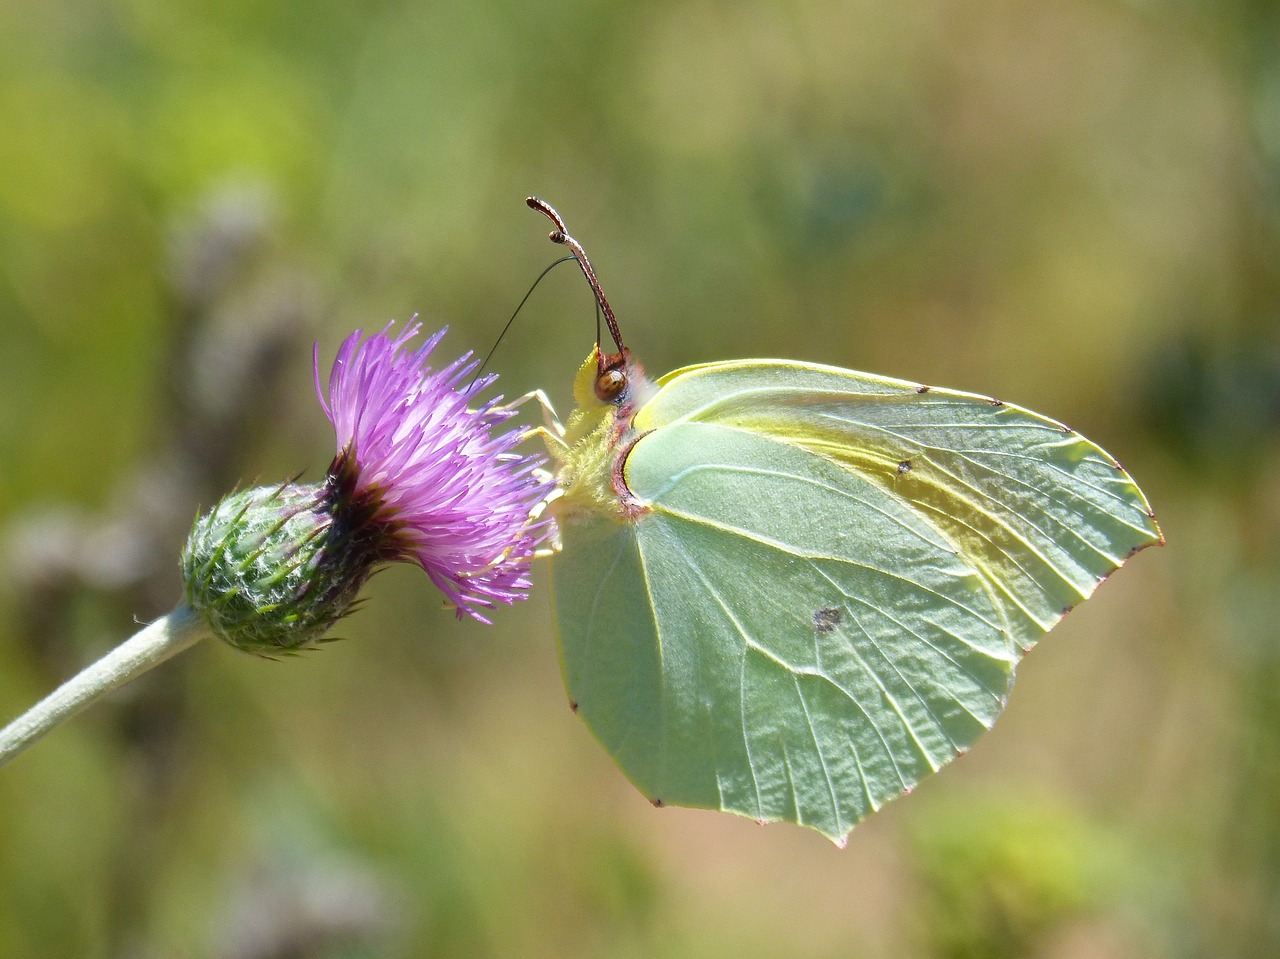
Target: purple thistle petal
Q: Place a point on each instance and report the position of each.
(451, 493)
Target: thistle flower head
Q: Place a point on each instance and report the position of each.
(432, 472)
(420, 474)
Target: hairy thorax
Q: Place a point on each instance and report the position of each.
(598, 437)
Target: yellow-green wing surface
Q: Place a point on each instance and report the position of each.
(827, 584)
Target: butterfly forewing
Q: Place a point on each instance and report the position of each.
(1041, 513)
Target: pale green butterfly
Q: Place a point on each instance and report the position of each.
(791, 591)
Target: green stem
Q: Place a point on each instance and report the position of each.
(168, 635)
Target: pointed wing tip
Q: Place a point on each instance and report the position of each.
(1154, 537)
(1159, 533)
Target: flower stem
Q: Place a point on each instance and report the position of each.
(168, 635)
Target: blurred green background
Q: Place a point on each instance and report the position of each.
(1073, 205)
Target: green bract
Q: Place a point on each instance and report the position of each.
(270, 570)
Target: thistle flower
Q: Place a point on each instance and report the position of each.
(437, 479)
(420, 475)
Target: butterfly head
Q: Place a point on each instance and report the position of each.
(611, 382)
(611, 374)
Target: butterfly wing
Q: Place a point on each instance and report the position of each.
(1040, 512)
(827, 585)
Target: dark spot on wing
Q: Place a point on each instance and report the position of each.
(827, 619)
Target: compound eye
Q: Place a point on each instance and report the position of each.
(609, 384)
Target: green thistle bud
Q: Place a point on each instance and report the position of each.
(271, 569)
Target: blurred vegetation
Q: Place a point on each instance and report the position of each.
(1071, 204)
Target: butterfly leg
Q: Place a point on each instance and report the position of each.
(550, 421)
(536, 513)
(552, 430)
(552, 435)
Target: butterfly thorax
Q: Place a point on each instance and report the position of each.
(598, 437)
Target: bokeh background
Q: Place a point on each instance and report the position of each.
(1070, 204)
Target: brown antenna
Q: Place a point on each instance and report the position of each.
(561, 236)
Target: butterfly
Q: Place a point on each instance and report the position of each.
(791, 591)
